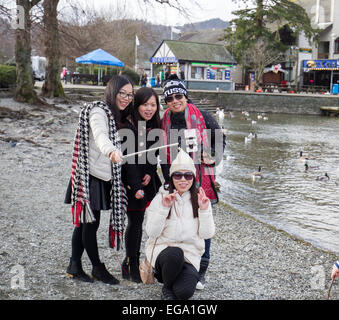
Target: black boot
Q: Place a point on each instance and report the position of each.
(134, 269)
(167, 294)
(202, 271)
(74, 270)
(130, 269)
(125, 269)
(100, 272)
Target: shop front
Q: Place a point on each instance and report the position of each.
(324, 73)
(202, 66)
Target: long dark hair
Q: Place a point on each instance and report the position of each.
(141, 97)
(194, 196)
(112, 89)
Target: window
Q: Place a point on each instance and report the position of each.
(214, 73)
(324, 11)
(336, 46)
(197, 73)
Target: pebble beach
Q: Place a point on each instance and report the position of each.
(250, 260)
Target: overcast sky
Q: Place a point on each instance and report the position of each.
(163, 14)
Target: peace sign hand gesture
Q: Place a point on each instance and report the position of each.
(203, 201)
(168, 200)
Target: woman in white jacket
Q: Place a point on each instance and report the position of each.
(178, 221)
(96, 177)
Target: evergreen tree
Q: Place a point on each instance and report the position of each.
(260, 22)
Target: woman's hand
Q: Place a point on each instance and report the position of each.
(168, 200)
(335, 272)
(139, 194)
(146, 179)
(206, 158)
(115, 156)
(203, 201)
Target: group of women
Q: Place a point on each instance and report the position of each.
(179, 212)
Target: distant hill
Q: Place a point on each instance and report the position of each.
(204, 25)
(209, 31)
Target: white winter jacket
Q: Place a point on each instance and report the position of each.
(180, 230)
(100, 146)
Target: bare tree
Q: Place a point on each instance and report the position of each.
(258, 56)
(25, 83)
(52, 86)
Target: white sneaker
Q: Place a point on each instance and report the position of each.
(200, 286)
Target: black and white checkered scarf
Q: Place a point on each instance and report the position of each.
(81, 210)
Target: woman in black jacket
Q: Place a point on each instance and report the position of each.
(139, 175)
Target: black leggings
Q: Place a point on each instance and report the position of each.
(85, 237)
(133, 233)
(176, 274)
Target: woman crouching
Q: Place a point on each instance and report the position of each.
(178, 221)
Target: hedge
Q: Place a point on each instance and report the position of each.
(131, 74)
(7, 76)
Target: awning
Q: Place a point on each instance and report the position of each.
(99, 57)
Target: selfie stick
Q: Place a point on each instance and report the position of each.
(152, 149)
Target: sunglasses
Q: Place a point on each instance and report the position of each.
(176, 96)
(187, 175)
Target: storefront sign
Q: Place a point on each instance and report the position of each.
(163, 60)
(227, 75)
(320, 63)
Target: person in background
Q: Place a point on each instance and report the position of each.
(63, 75)
(178, 221)
(139, 176)
(335, 270)
(157, 80)
(183, 114)
(96, 177)
(167, 73)
(143, 81)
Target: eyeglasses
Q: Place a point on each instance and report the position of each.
(178, 175)
(176, 96)
(125, 95)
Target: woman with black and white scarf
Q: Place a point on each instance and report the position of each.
(95, 183)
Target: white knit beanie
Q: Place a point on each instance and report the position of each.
(182, 162)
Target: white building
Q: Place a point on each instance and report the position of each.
(318, 63)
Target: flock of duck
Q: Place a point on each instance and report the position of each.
(258, 175)
(305, 161)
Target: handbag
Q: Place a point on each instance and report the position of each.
(146, 269)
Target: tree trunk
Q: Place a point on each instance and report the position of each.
(25, 83)
(52, 86)
(260, 14)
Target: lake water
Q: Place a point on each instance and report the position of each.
(288, 197)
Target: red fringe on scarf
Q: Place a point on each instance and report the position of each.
(78, 210)
(114, 235)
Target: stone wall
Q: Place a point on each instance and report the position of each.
(267, 102)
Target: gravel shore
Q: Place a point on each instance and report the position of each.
(249, 259)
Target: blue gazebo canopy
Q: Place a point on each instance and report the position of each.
(99, 57)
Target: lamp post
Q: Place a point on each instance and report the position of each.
(233, 28)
